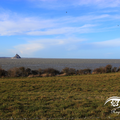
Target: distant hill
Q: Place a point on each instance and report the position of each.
(16, 57)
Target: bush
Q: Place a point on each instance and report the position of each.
(3, 72)
(102, 69)
(22, 71)
(108, 68)
(114, 69)
(14, 72)
(96, 70)
(84, 71)
(118, 70)
(51, 71)
(68, 71)
(34, 72)
(87, 71)
(40, 71)
(77, 72)
(18, 72)
(65, 70)
(28, 72)
(81, 72)
(72, 71)
(99, 70)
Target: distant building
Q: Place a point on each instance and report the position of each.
(16, 57)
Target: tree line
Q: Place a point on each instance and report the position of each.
(27, 72)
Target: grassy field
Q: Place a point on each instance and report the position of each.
(70, 97)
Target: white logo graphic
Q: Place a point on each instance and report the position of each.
(114, 102)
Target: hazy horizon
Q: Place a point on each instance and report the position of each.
(60, 58)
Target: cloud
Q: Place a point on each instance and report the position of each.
(57, 41)
(108, 43)
(100, 3)
(14, 24)
(87, 45)
(21, 25)
(64, 30)
(49, 4)
(33, 46)
(28, 49)
(55, 4)
(18, 25)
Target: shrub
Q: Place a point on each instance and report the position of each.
(108, 68)
(81, 72)
(40, 71)
(84, 71)
(77, 72)
(118, 70)
(65, 70)
(99, 70)
(102, 69)
(3, 72)
(51, 71)
(14, 72)
(28, 72)
(87, 71)
(72, 71)
(22, 71)
(56, 72)
(69, 71)
(114, 69)
(34, 72)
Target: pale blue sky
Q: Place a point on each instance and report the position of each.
(42, 29)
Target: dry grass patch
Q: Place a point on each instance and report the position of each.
(58, 97)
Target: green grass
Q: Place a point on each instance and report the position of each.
(59, 97)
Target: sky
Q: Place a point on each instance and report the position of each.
(77, 29)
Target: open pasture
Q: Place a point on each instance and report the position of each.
(59, 97)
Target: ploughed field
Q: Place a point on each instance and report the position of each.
(69, 97)
(59, 64)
